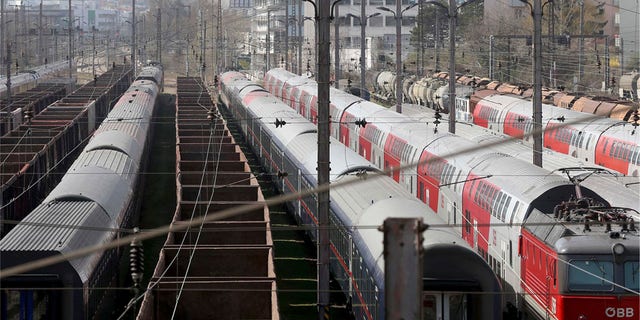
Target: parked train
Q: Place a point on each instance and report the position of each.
(536, 229)
(26, 80)
(95, 199)
(620, 191)
(611, 143)
(433, 91)
(603, 141)
(457, 282)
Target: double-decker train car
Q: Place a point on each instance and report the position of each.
(603, 141)
(457, 282)
(95, 199)
(621, 191)
(533, 227)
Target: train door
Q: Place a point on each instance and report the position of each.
(444, 306)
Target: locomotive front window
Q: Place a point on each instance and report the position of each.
(631, 276)
(590, 275)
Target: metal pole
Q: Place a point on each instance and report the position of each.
(8, 73)
(2, 28)
(437, 44)
(363, 42)
(452, 66)
(537, 83)
(70, 43)
(300, 29)
(93, 53)
(268, 64)
(201, 44)
(581, 42)
(324, 12)
(420, 65)
(607, 69)
(508, 60)
(159, 35)
(491, 57)
(336, 47)
(134, 46)
(553, 43)
(286, 36)
(203, 52)
(177, 23)
(219, 35)
(40, 46)
(398, 16)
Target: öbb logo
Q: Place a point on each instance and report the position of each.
(618, 312)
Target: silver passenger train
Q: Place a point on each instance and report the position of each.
(26, 80)
(457, 282)
(94, 199)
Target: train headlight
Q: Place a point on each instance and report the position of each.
(618, 248)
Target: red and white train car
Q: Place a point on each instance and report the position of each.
(603, 141)
(519, 217)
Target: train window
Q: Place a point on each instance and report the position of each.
(505, 208)
(429, 307)
(590, 275)
(513, 212)
(627, 153)
(455, 186)
(631, 276)
(574, 139)
(476, 195)
(501, 208)
(619, 151)
(494, 195)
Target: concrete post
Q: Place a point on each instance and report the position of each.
(403, 256)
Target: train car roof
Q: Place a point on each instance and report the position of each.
(58, 227)
(111, 170)
(343, 160)
(269, 109)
